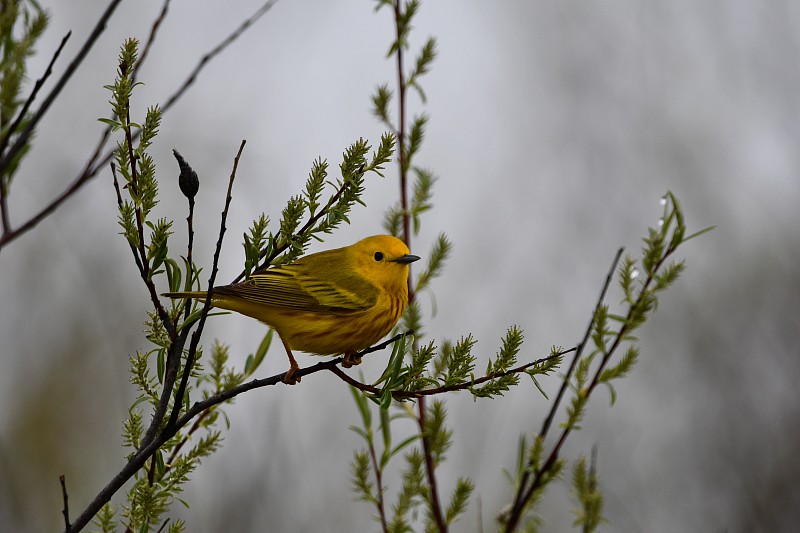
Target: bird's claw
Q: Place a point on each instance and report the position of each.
(351, 359)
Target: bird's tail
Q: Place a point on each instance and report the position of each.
(189, 294)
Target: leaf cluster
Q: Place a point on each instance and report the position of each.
(293, 236)
(368, 467)
(590, 499)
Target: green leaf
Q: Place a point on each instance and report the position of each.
(254, 361)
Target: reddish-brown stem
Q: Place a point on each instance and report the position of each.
(379, 483)
(430, 468)
(65, 497)
(401, 135)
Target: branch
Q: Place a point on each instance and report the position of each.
(216, 50)
(138, 460)
(65, 497)
(20, 117)
(524, 493)
(187, 369)
(97, 162)
(151, 38)
(23, 137)
(430, 469)
(464, 385)
(308, 225)
(379, 482)
(401, 134)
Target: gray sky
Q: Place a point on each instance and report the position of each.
(554, 128)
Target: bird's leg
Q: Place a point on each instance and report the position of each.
(351, 359)
(289, 378)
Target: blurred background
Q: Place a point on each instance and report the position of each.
(555, 127)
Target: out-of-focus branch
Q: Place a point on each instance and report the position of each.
(96, 160)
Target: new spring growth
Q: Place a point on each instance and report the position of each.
(187, 180)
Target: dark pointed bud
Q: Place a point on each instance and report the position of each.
(187, 180)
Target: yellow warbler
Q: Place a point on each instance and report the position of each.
(333, 302)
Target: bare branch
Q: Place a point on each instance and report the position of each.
(23, 137)
(187, 369)
(65, 497)
(97, 161)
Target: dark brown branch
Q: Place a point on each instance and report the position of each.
(65, 497)
(187, 369)
(151, 38)
(31, 97)
(134, 185)
(15, 125)
(464, 385)
(166, 521)
(119, 205)
(23, 137)
(379, 482)
(565, 384)
(401, 134)
(97, 162)
(524, 492)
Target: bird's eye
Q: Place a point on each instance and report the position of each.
(378, 256)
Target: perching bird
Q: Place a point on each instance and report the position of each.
(328, 303)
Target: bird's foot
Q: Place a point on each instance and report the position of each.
(351, 359)
(289, 378)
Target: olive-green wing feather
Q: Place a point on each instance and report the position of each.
(329, 289)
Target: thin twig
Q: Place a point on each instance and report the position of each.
(96, 162)
(166, 521)
(524, 492)
(430, 468)
(134, 185)
(308, 225)
(401, 133)
(119, 205)
(14, 125)
(176, 450)
(65, 497)
(187, 369)
(565, 384)
(217, 49)
(31, 97)
(464, 385)
(151, 38)
(23, 137)
(379, 482)
(189, 246)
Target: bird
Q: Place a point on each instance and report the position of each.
(333, 302)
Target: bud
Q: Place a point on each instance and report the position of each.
(187, 180)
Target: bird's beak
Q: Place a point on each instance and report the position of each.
(405, 259)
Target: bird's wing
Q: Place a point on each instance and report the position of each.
(291, 286)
